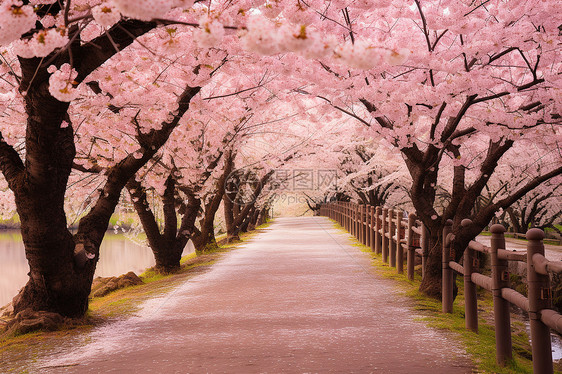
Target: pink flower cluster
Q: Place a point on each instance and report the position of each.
(266, 37)
(209, 33)
(42, 43)
(147, 10)
(61, 82)
(106, 15)
(15, 20)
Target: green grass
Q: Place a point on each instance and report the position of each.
(127, 220)
(11, 222)
(11, 236)
(480, 346)
(185, 259)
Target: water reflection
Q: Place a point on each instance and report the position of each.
(118, 255)
(13, 266)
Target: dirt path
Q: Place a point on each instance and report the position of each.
(295, 299)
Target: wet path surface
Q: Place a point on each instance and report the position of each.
(295, 299)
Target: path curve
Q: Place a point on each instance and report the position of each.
(297, 298)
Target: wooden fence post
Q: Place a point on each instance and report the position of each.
(349, 225)
(424, 247)
(358, 231)
(363, 219)
(539, 298)
(411, 246)
(368, 229)
(338, 212)
(500, 279)
(392, 242)
(447, 278)
(350, 212)
(470, 297)
(346, 209)
(355, 220)
(352, 207)
(385, 230)
(399, 249)
(372, 234)
(378, 227)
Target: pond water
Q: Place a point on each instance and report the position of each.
(118, 255)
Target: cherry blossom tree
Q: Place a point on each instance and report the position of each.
(60, 47)
(540, 207)
(373, 174)
(447, 83)
(453, 86)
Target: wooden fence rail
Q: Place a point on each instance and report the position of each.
(538, 302)
(391, 233)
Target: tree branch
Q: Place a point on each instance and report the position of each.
(145, 214)
(11, 164)
(94, 53)
(489, 211)
(94, 224)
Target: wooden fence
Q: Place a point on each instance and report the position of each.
(392, 233)
(538, 302)
(376, 228)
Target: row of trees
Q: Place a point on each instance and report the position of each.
(472, 106)
(453, 98)
(103, 95)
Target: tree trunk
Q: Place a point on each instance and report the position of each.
(231, 232)
(168, 246)
(254, 220)
(61, 266)
(264, 216)
(205, 238)
(55, 283)
(431, 283)
(244, 227)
